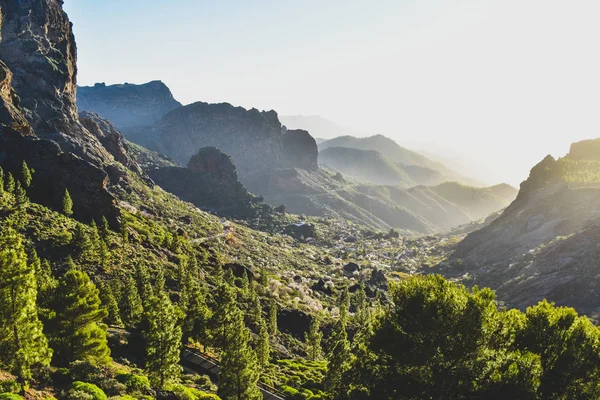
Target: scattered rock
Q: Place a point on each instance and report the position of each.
(351, 268)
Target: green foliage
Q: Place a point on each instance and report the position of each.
(23, 345)
(339, 355)
(26, 175)
(109, 302)
(239, 374)
(440, 340)
(87, 388)
(67, 204)
(313, 339)
(10, 396)
(77, 332)
(135, 383)
(163, 340)
(273, 317)
(131, 304)
(263, 348)
(197, 313)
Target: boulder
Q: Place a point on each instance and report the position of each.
(351, 268)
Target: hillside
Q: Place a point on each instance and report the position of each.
(365, 165)
(395, 153)
(543, 245)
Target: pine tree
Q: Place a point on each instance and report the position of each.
(131, 303)
(77, 332)
(10, 184)
(104, 229)
(229, 277)
(104, 254)
(197, 313)
(362, 309)
(339, 355)
(142, 280)
(26, 176)
(313, 339)
(273, 317)
(239, 373)
(95, 240)
(23, 345)
(46, 284)
(110, 304)
(20, 195)
(83, 242)
(223, 312)
(163, 341)
(263, 347)
(67, 205)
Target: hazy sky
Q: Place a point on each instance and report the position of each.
(496, 83)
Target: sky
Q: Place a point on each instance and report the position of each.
(493, 84)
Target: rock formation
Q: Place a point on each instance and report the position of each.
(210, 182)
(38, 117)
(128, 105)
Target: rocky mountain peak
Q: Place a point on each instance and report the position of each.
(128, 105)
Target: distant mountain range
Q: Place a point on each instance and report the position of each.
(381, 184)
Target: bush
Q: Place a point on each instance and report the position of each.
(10, 396)
(134, 383)
(94, 392)
(9, 387)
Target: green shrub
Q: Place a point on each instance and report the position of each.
(78, 388)
(134, 383)
(208, 396)
(10, 396)
(9, 387)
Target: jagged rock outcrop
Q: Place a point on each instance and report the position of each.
(39, 115)
(544, 245)
(128, 105)
(212, 161)
(301, 149)
(210, 182)
(113, 141)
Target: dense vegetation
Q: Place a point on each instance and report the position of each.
(90, 313)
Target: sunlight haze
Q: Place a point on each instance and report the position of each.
(493, 85)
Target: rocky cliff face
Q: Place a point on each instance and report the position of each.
(128, 105)
(113, 141)
(39, 115)
(545, 244)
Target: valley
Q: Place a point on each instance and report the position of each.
(160, 251)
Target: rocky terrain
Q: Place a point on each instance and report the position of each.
(545, 244)
(40, 123)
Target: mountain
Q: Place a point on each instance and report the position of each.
(420, 209)
(365, 165)
(39, 120)
(318, 126)
(395, 153)
(281, 165)
(255, 140)
(128, 105)
(544, 245)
